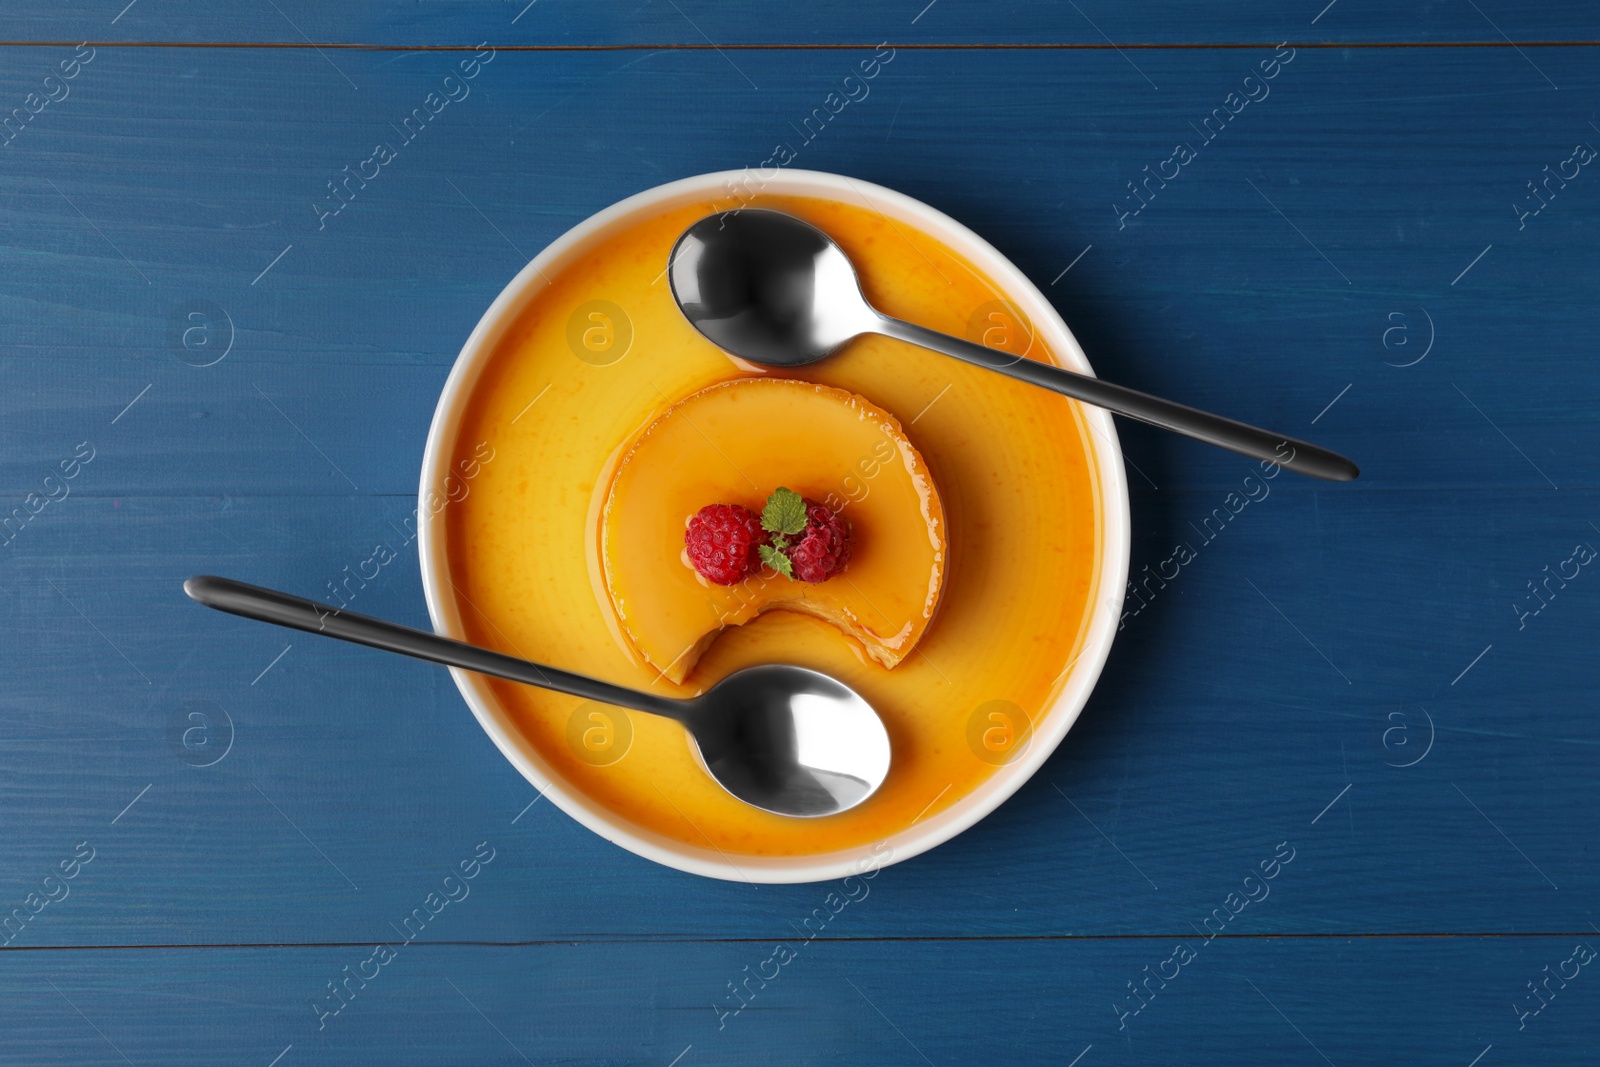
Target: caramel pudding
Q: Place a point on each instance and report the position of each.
(577, 400)
(731, 443)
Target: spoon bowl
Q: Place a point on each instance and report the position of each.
(768, 287)
(776, 731)
(784, 739)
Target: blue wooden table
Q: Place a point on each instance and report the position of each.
(1383, 692)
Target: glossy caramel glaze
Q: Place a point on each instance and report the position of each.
(598, 355)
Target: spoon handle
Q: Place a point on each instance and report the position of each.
(1302, 456)
(281, 609)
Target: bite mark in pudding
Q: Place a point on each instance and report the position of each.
(866, 555)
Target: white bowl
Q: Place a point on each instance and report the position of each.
(1109, 481)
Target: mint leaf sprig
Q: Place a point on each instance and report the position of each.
(774, 558)
(783, 517)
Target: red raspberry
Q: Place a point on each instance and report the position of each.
(824, 548)
(722, 541)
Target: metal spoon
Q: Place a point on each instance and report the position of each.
(774, 290)
(785, 739)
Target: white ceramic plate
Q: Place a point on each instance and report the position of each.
(1111, 505)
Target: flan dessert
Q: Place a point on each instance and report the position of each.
(974, 557)
(732, 442)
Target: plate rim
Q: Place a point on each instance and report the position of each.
(1110, 483)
